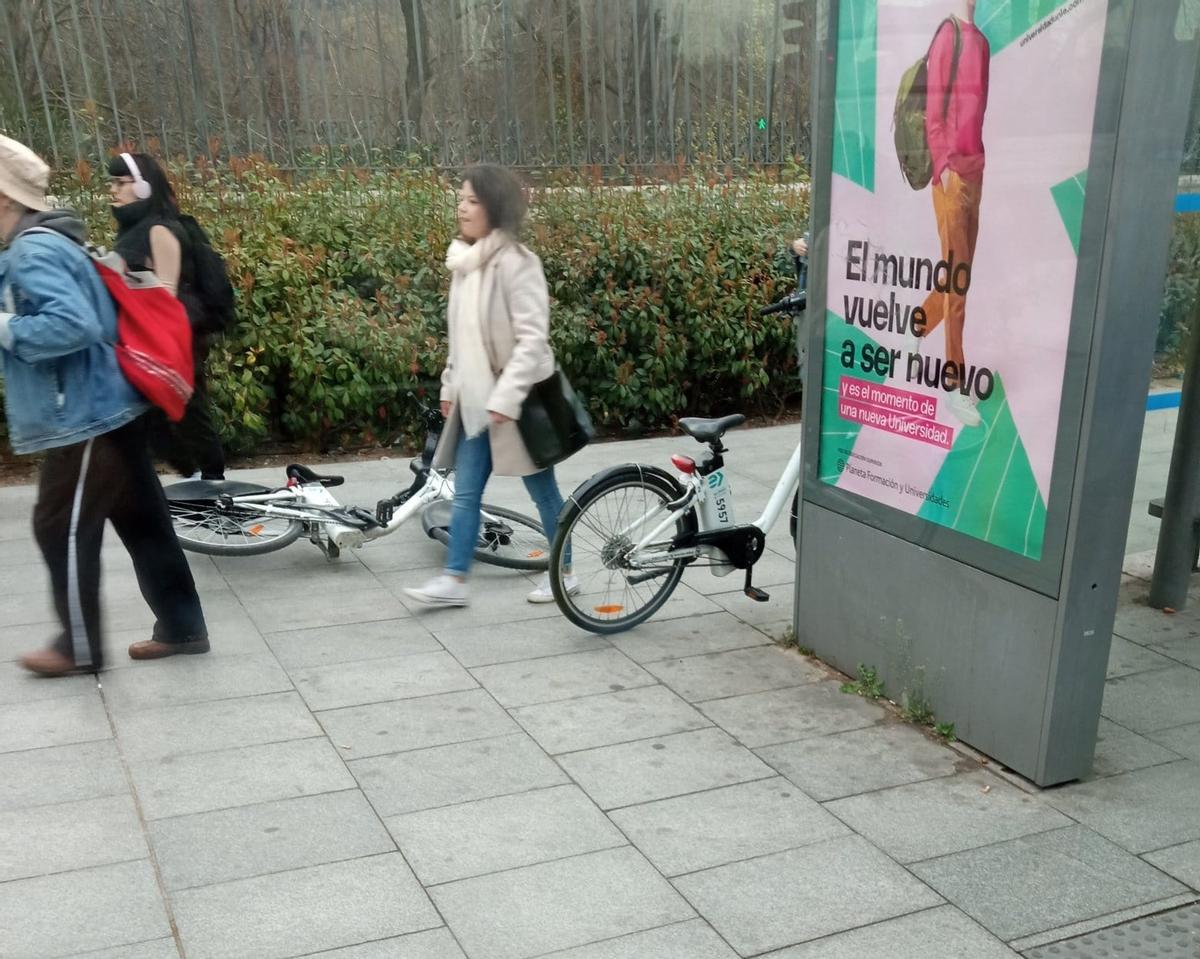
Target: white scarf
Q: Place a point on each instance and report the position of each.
(472, 377)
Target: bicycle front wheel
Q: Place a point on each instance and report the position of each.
(617, 589)
(205, 526)
(506, 538)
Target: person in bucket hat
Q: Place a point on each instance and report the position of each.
(65, 397)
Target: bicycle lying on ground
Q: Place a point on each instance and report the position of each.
(231, 518)
(634, 528)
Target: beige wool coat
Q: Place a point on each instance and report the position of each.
(514, 299)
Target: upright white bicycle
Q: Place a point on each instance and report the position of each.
(634, 528)
(231, 518)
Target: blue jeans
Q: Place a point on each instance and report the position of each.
(472, 467)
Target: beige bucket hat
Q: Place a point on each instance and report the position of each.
(24, 176)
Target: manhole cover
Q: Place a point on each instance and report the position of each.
(1169, 935)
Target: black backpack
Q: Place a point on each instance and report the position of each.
(210, 281)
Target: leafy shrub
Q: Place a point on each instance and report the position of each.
(342, 295)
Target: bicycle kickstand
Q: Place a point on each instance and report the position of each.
(756, 594)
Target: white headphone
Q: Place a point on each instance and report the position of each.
(141, 189)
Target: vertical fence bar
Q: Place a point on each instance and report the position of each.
(638, 44)
(62, 72)
(551, 94)
(98, 24)
(172, 56)
(512, 117)
(568, 81)
(42, 87)
(771, 68)
(133, 86)
(198, 93)
(587, 80)
(360, 42)
(10, 44)
(623, 135)
(218, 69)
(298, 59)
(289, 133)
(602, 47)
(89, 90)
(323, 53)
(404, 113)
(735, 137)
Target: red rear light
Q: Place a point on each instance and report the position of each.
(685, 464)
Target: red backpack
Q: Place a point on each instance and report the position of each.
(154, 337)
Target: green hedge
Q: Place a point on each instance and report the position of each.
(342, 291)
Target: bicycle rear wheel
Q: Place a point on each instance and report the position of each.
(203, 524)
(506, 538)
(602, 523)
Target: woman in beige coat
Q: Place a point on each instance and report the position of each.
(499, 329)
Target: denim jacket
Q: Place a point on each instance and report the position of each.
(62, 384)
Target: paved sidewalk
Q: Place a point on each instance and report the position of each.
(348, 778)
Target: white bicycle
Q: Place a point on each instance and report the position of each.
(231, 518)
(634, 528)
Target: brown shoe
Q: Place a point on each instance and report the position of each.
(153, 649)
(49, 662)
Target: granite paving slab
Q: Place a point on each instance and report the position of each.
(432, 944)
(67, 836)
(939, 933)
(350, 642)
(440, 776)
(504, 832)
(303, 911)
(1042, 882)
(568, 676)
(193, 679)
(59, 774)
(736, 672)
(790, 897)
(202, 782)
(609, 718)
(206, 727)
(862, 760)
(1141, 810)
(787, 715)
(691, 636)
(483, 646)
(53, 722)
(110, 906)
(1118, 750)
(244, 841)
(439, 720)
(155, 949)
(380, 680)
(1146, 702)
(536, 909)
(718, 826)
(1181, 862)
(659, 768)
(941, 816)
(690, 939)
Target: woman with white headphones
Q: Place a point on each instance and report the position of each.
(151, 237)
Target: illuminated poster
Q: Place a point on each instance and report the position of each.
(962, 137)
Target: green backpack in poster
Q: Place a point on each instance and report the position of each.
(908, 120)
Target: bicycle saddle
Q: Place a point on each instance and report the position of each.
(304, 475)
(709, 431)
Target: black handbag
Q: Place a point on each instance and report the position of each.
(554, 423)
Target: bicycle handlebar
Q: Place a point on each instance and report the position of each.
(797, 300)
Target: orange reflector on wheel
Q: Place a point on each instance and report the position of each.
(256, 529)
(608, 609)
(536, 553)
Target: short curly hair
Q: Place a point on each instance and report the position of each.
(501, 193)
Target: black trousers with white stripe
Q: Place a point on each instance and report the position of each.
(111, 478)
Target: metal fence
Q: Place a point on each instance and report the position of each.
(524, 82)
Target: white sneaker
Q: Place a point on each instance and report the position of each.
(544, 594)
(966, 409)
(440, 591)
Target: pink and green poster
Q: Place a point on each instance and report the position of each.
(952, 254)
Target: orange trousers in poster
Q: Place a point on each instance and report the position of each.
(956, 207)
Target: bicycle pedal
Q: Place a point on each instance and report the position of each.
(756, 594)
(385, 509)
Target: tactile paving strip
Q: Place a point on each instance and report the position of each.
(1169, 935)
